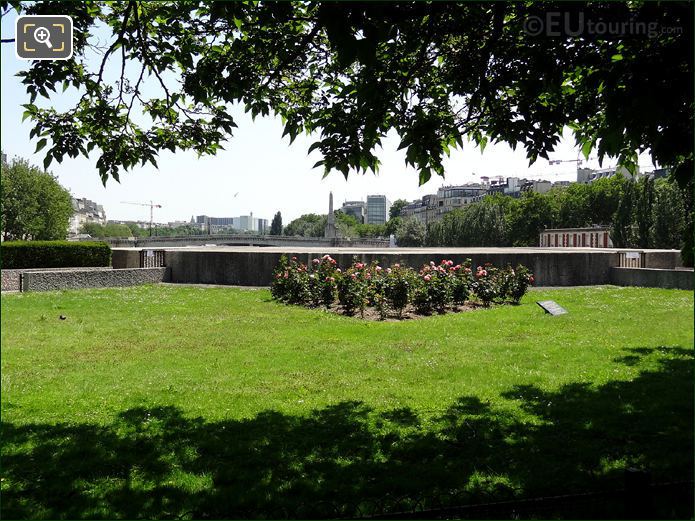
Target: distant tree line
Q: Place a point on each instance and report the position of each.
(408, 232)
(101, 231)
(646, 213)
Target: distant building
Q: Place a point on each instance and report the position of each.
(596, 237)
(452, 197)
(434, 206)
(540, 187)
(424, 210)
(86, 211)
(356, 209)
(378, 207)
(245, 223)
(589, 175)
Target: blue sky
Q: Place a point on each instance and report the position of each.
(266, 171)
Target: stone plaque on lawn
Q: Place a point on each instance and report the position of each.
(552, 307)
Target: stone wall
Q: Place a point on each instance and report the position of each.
(45, 280)
(254, 268)
(652, 278)
(12, 279)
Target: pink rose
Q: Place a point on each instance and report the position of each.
(316, 261)
(286, 275)
(427, 278)
(388, 270)
(531, 279)
(339, 270)
(431, 263)
(378, 268)
(294, 258)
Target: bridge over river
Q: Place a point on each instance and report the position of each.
(244, 240)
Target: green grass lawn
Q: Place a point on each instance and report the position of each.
(164, 401)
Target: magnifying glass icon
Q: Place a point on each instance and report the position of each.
(42, 35)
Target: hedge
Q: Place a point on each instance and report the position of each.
(54, 254)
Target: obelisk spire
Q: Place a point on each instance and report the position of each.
(330, 231)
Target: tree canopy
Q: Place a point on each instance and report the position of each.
(276, 225)
(437, 73)
(34, 204)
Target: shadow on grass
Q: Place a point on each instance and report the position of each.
(349, 460)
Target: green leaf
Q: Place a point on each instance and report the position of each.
(39, 146)
(616, 57)
(47, 161)
(586, 149)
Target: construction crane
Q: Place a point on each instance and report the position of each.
(152, 207)
(558, 161)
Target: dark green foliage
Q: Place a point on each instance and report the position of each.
(101, 231)
(398, 286)
(34, 205)
(478, 224)
(348, 73)
(276, 225)
(396, 207)
(308, 225)
(410, 232)
(644, 213)
(54, 254)
(528, 217)
(668, 227)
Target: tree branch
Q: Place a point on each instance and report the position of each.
(119, 39)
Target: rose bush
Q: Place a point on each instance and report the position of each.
(486, 284)
(353, 288)
(398, 284)
(515, 283)
(291, 282)
(432, 288)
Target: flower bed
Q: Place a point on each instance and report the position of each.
(373, 291)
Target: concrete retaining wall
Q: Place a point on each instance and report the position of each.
(94, 278)
(122, 258)
(652, 278)
(254, 268)
(12, 279)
